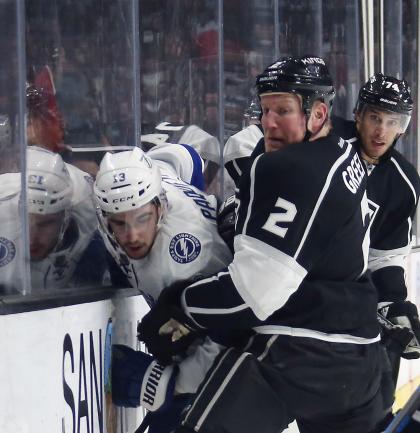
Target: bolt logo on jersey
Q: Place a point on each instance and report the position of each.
(7, 251)
(184, 248)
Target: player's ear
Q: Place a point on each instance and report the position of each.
(319, 115)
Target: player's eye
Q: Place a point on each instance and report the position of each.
(144, 218)
(117, 223)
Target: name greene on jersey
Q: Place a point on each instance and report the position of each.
(354, 174)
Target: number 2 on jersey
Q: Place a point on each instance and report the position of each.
(285, 215)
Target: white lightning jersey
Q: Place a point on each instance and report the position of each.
(187, 245)
(238, 149)
(11, 259)
(241, 144)
(57, 269)
(175, 160)
(206, 145)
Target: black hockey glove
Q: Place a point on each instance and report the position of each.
(226, 218)
(404, 315)
(166, 330)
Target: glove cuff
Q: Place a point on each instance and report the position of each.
(158, 386)
(128, 368)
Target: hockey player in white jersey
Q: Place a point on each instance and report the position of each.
(64, 251)
(11, 280)
(159, 230)
(206, 145)
(64, 245)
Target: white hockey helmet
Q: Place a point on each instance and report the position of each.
(50, 188)
(126, 181)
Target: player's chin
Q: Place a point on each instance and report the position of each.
(37, 254)
(137, 253)
(273, 144)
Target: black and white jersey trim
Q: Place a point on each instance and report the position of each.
(252, 192)
(404, 176)
(379, 259)
(264, 276)
(331, 173)
(228, 372)
(238, 170)
(309, 333)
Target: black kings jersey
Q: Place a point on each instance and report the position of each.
(301, 249)
(393, 191)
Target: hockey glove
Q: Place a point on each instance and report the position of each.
(137, 379)
(166, 330)
(404, 315)
(226, 219)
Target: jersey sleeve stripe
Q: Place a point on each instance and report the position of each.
(224, 311)
(375, 253)
(310, 333)
(379, 259)
(238, 170)
(251, 193)
(403, 175)
(196, 177)
(334, 168)
(209, 279)
(263, 276)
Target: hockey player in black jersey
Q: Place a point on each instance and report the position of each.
(382, 114)
(296, 282)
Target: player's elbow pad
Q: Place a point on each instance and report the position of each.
(138, 379)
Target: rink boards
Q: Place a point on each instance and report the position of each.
(54, 364)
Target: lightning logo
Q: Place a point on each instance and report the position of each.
(7, 251)
(184, 248)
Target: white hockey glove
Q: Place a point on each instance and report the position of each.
(138, 379)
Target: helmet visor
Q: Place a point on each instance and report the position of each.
(385, 118)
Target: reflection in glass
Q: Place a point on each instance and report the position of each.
(13, 273)
(80, 55)
(400, 59)
(64, 249)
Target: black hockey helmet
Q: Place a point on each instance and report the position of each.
(307, 76)
(386, 93)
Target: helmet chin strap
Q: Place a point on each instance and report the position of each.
(308, 134)
(64, 225)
